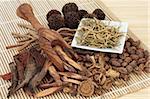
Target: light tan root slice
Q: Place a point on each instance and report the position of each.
(71, 80)
(54, 74)
(48, 91)
(72, 75)
(66, 29)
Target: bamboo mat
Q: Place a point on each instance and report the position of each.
(8, 24)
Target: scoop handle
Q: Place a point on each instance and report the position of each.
(25, 12)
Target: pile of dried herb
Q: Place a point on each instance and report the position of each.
(95, 33)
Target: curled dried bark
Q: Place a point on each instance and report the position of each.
(65, 79)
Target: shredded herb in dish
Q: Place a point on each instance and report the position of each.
(95, 33)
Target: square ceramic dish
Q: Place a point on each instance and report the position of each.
(123, 28)
(8, 24)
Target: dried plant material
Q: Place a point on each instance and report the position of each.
(26, 26)
(6, 76)
(66, 29)
(48, 91)
(30, 71)
(94, 33)
(108, 84)
(72, 75)
(66, 58)
(112, 73)
(14, 79)
(65, 79)
(54, 74)
(119, 82)
(69, 68)
(39, 76)
(53, 84)
(86, 88)
(101, 60)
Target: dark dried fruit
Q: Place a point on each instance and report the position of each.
(82, 13)
(99, 13)
(113, 55)
(71, 20)
(89, 16)
(55, 22)
(69, 7)
(120, 61)
(51, 12)
(127, 44)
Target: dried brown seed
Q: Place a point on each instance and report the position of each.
(129, 68)
(128, 59)
(147, 69)
(124, 55)
(127, 44)
(142, 61)
(136, 43)
(134, 56)
(106, 58)
(122, 70)
(124, 64)
(140, 53)
(113, 55)
(133, 63)
(86, 88)
(115, 63)
(131, 50)
(146, 54)
(120, 61)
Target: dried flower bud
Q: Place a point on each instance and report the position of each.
(142, 61)
(134, 56)
(129, 68)
(128, 59)
(133, 63)
(124, 64)
(140, 53)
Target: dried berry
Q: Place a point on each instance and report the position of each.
(142, 60)
(124, 64)
(106, 58)
(133, 63)
(146, 54)
(122, 70)
(147, 69)
(134, 56)
(114, 55)
(136, 43)
(115, 63)
(128, 59)
(129, 68)
(127, 44)
(124, 55)
(131, 50)
(140, 53)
